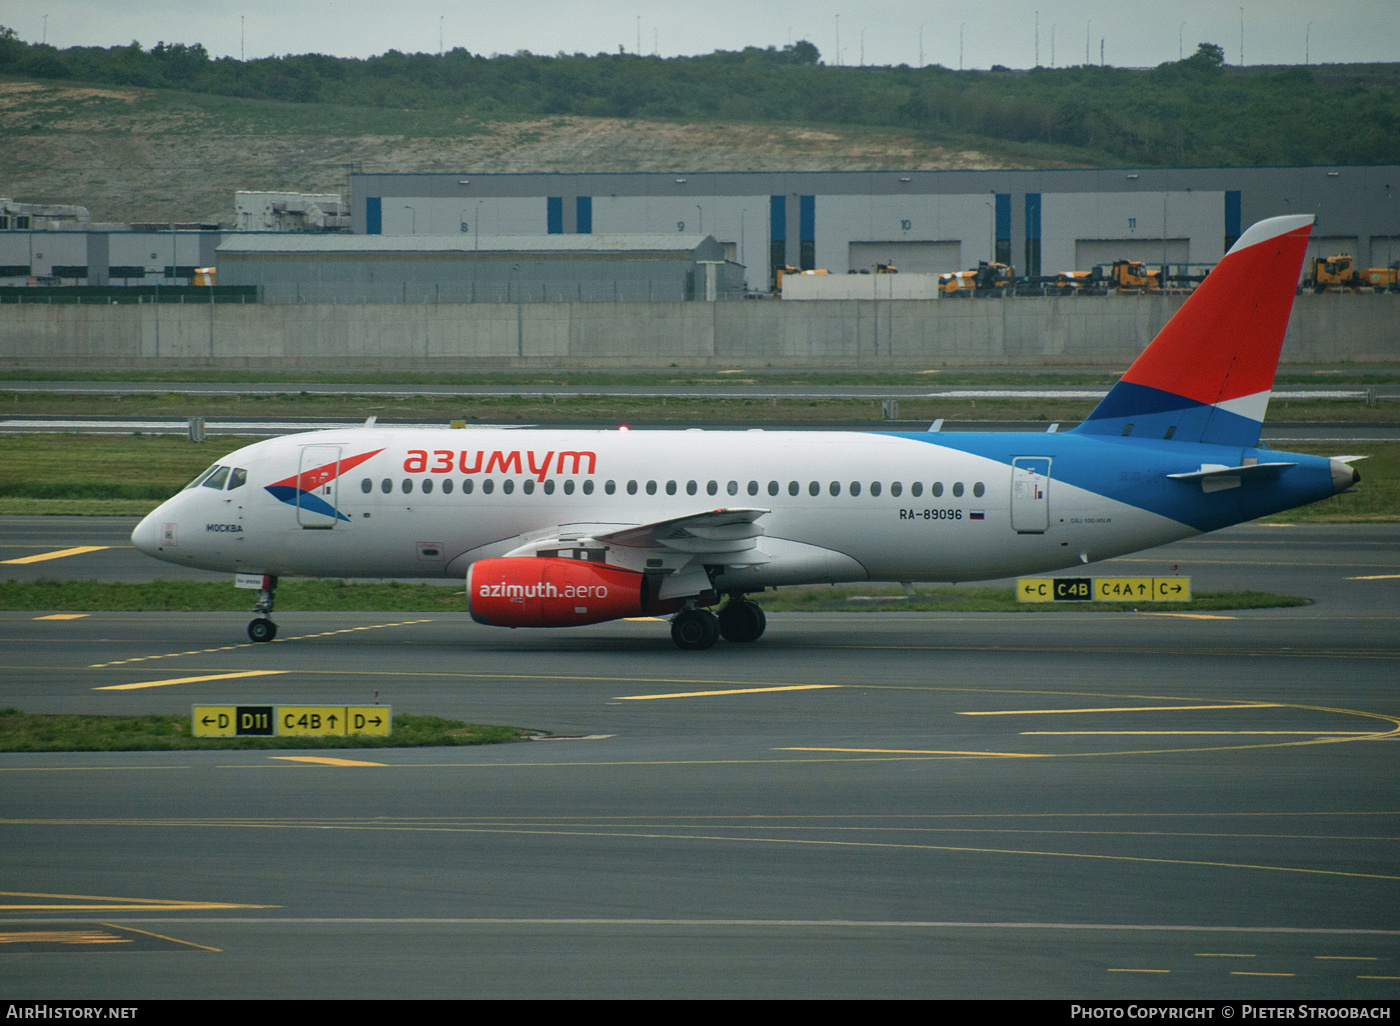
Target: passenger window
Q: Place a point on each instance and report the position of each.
(488, 486)
(732, 488)
(569, 486)
(712, 488)
(200, 479)
(366, 486)
(855, 488)
(835, 488)
(896, 489)
(814, 488)
(631, 487)
(916, 489)
(773, 487)
(386, 486)
(958, 489)
(937, 489)
(549, 487)
(794, 488)
(979, 489)
(239, 478)
(753, 487)
(670, 488)
(651, 487)
(528, 485)
(467, 486)
(427, 485)
(610, 487)
(874, 488)
(588, 486)
(217, 479)
(508, 485)
(447, 486)
(691, 488)
(407, 485)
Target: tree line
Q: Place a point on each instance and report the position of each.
(1192, 112)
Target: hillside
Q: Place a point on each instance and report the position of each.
(132, 154)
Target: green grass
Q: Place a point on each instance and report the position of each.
(1377, 498)
(868, 599)
(106, 467)
(32, 732)
(322, 596)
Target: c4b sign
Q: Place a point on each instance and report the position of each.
(1103, 589)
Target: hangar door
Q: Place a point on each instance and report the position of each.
(910, 257)
(1090, 252)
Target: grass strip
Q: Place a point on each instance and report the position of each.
(323, 596)
(36, 732)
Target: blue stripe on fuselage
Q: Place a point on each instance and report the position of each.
(1134, 471)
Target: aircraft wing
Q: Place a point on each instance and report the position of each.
(715, 537)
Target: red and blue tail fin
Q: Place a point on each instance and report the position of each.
(1208, 374)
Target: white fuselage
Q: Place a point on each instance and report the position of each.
(429, 502)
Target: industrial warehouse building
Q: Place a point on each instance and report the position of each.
(296, 268)
(924, 221)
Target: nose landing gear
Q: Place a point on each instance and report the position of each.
(261, 628)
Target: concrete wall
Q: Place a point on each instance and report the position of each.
(1108, 331)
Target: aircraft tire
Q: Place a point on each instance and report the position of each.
(694, 629)
(262, 629)
(742, 621)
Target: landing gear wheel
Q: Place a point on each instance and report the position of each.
(694, 629)
(742, 620)
(262, 629)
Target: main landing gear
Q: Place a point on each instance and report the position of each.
(261, 628)
(694, 629)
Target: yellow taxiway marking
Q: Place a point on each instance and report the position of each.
(1375, 577)
(187, 680)
(916, 751)
(735, 691)
(1125, 708)
(105, 903)
(1346, 958)
(1174, 733)
(323, 760)
(60, 554)
(1139, 970)
(1193, 616)
(1221, 954)
(161, 936)
(1378, 977)
(62, 937)
(1238, 973)
(641, 619)
(250, 644)
(62, 616)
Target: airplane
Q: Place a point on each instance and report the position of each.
(554, 528)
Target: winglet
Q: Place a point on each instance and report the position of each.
(1208, 374)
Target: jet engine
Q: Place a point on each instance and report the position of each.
(539, 591)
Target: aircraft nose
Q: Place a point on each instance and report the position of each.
(146, 536)
(1344, 476)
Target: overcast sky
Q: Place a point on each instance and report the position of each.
(1137, 33)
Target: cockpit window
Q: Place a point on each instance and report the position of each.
(216, 479)
(200, 479)
(238, 478)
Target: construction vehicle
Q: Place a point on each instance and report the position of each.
(1133, 276)
(1332, 274)
(1381, 279)
(204, 276)
(981, 279)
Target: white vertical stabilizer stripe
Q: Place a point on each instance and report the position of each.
(1271, 228)
(1251, 406)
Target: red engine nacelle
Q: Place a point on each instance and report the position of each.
(537, 591)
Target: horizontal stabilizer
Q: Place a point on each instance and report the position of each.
(1217, 478)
